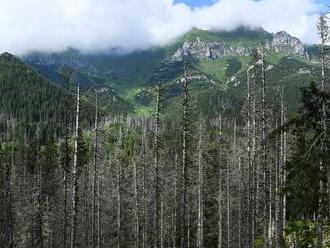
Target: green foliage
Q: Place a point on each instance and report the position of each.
(307, 144)
(303, 234)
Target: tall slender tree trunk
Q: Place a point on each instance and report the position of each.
(220, 187)
(157, 182)
(228, 205)
(240, 187)
(136, 209)
(250, 241)
(38, 187)
(144, 193)
(264, 154)
(174, 218)
(200, 220)
(86, 210)
(9, 218)
(185, 163)
(119, 171)
(96, 207)
(74, 176)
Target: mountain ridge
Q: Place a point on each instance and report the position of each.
(218, 58)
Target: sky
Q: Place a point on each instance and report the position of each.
(128, 25)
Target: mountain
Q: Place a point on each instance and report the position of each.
(27, 95)
(219, 60)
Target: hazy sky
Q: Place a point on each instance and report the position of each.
(96, 25)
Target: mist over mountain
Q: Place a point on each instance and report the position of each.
(126, 26)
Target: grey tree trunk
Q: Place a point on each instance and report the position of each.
(200, 220)
(96, 184)
(185, 163)
(136, 209)
(220, 188)
(240, 191)
(157, 182)
(74, 176)
(9, 218)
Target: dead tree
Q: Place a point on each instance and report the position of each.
(74, 175)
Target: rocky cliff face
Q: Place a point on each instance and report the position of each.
(285, 43)
(282, 42)
(210, 50)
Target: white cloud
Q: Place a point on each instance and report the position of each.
(96, 25)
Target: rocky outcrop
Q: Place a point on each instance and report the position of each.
(285, 43)
(210, 50)
(73, 61)
(282, 42)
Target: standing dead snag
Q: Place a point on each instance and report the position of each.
(219, 124)
(185, 162)
(96, 184)
(157, 181)
(118, 188)
(200, 220)
(136, 208)
(74, 175)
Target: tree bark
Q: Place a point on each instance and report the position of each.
(74, 175)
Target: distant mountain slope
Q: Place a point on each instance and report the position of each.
(25, 94)
(218, 60)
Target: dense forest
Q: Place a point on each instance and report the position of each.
(75, 174)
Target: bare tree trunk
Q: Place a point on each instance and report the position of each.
(283, 170)
(161, 223)
(38, 186)
(174, 218)
(144, 197)
(200, 221)
(96, 207)
(228, 205)
(156, 167)
(118, 206)
(9, 219)
(136, 209)
(220, 188)
(86, 206)
(119, 171)
(185, 204)
(250, 157)
(240, 203)
(74, 175)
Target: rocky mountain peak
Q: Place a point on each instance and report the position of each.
(285, 43)
(203, 49)
(281, 42)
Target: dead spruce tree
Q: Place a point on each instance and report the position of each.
(157, 179)
(96, 182)
(74, 198)
(185, 239)
(200, 183)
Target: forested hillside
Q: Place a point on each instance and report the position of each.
(218, 140)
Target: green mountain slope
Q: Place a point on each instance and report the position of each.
(27, 95)
(217, 59)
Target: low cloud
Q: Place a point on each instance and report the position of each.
(98, 25)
